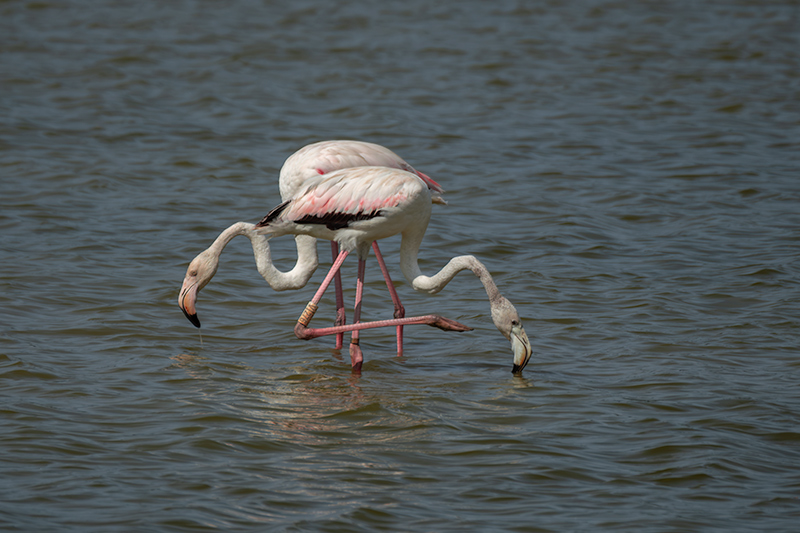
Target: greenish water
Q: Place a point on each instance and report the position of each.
(627, 171)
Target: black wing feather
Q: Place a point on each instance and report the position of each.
(334, 221)
(272, 215)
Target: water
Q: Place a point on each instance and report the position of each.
(627, 171)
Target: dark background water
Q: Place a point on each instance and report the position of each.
(628, 171)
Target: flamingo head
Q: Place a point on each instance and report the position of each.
(506, 319)
(200, 271)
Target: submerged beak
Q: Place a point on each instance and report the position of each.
(522, 348)
(187, 300)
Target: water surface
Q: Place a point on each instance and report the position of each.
(627, 171)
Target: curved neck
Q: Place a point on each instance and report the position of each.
(219, 244)
(409, 250)
(296, 278)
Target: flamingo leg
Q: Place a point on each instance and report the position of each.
(340, 313)
(356, 355)
(302, 331)
(311, 307)
(399, 310)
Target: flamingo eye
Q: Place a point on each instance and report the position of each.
(193, 273)
(515, 322)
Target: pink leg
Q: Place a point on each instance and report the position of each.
(340, 314)
(399, 310)
(311, 308)
(356, 355)
(302, 331)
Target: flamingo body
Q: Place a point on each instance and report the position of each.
(354, 207)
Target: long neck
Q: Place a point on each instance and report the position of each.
(296, 278)
(409, 249)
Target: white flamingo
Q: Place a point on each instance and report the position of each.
(309, 162)
(357, 206)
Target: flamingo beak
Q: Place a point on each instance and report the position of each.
(187, 300)
(521, 347)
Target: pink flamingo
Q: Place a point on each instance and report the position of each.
(357, 206)
(309, 162)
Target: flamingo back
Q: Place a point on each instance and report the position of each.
(328, 156)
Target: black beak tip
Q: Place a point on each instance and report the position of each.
(192, 318)
(517, 370)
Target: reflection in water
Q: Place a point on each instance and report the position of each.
(297, 408)
(195, 366)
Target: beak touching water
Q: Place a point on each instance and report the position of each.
(187, 299)
(522, 348)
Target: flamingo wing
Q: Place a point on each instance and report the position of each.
(345, 196)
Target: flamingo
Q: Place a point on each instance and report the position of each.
(357, 206)
(310, 161)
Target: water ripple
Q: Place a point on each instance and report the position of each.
(627, 173)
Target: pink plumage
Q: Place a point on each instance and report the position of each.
(353, 191)
(332, 206)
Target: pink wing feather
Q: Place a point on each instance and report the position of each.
(352, 191)
(346, 195)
